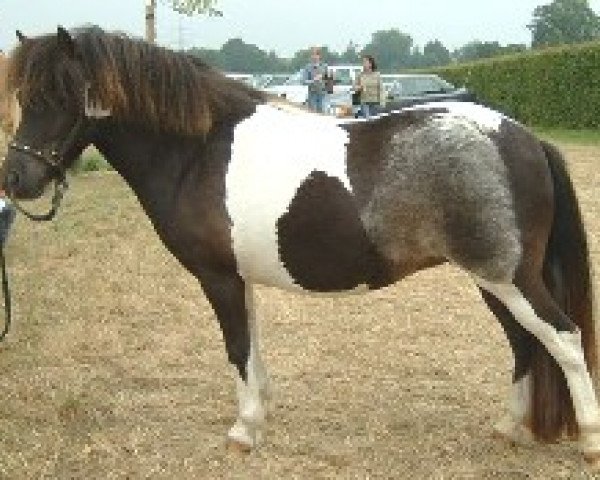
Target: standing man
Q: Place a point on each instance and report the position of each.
(314, 76)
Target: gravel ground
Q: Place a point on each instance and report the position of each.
(115, 367)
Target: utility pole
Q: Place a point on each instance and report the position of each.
(180, 31)
(151, 21)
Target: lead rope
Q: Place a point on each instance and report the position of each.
(6, 295)
(7, 216)
(60, 187)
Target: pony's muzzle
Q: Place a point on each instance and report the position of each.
(17, 185)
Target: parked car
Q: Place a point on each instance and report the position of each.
(292, 89)
(270, 80)
(405, 90)
(246, 78)
(402, 90)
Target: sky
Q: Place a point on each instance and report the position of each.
(286, 26)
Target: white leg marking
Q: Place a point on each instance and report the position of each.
(514, 424)
(259, 366)
(520, 400)
(252, 393)
(566, 349)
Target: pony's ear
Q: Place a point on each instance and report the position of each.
(66, 41)
(22, 38)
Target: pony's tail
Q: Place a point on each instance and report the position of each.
(567, 277)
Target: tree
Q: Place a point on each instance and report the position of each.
(238, 56)
(391, 49)
(514, 48)
(564, 21)
(242, 57)
(351, 55)
(476, 49)
(435, 54)
(210, 56)
(187, 7)
(302, 57)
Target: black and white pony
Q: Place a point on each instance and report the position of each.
(246, 190)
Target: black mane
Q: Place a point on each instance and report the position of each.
(139, 82)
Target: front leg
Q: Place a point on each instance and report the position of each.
(232, 301)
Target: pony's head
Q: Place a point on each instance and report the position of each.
(52, 89)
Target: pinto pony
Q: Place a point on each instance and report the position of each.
(244, 191)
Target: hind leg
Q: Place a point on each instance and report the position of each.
(533, 307)
(514, 426)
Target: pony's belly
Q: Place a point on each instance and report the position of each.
(294, 220)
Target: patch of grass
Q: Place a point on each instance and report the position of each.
(580, 137)
(91, 161)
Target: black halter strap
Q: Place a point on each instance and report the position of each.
(55, 160)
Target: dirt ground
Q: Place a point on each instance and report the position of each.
(115, 366)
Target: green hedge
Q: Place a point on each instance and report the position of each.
(558, 87)
(90, 161)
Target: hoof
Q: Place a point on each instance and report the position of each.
(243, 438)
(235, 446)
(589, 443)
(592, 460)
(513, 433)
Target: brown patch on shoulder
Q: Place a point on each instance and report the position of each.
(322, 241)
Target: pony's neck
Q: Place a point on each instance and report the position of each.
(179, 181)
(152, 164)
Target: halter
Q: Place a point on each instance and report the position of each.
(55, 158)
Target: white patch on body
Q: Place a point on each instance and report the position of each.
(273, 152)
(566, 349)
(486, 119)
